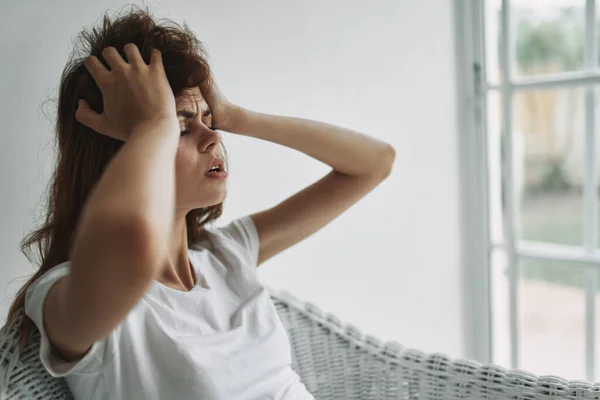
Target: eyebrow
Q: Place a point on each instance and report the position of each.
(191, 114)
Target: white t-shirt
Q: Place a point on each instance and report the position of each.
(222, 342)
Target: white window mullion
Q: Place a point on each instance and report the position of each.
(473, 151)
(555, 252)
(479, 179)
(510, 220)
(590, 214)
(551, 81)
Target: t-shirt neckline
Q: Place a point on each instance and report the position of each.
(198, 286)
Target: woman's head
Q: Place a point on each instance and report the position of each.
(198, 151)
(188, 73)
(82, 154)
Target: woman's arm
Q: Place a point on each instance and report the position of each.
(359, 164)
(122, 236)
(346, 151)
(118, 249)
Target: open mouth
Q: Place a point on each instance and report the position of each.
(217, 170)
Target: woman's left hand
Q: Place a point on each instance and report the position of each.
(223, 111)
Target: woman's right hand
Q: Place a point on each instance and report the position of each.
(133, 93)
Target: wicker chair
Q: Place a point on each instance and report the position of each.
(335, 362)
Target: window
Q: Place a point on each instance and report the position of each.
(533, 168)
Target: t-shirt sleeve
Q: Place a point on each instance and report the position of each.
(243, 231)
(100, 352)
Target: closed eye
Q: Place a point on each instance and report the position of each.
(188, 131)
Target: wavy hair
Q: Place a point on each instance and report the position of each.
(82, 154)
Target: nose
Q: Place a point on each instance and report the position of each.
(210, 140)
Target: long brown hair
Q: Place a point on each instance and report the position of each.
(83, 154)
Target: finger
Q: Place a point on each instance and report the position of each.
(113, 58)
(133, 54)
(209, 87)
(95, 68)
(97, 122)
(88, 117)
(156, 58)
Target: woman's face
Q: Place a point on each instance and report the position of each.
(198, 147)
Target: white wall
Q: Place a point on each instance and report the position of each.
(390, 265)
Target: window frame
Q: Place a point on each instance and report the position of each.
(478, 181)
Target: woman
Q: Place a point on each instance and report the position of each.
(137, 295)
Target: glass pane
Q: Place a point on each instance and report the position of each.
(495, 128)
(500, 317)
(548, 36)
(552, 318)
(597, 331)
(596, 93)
(597, 33)
(493, 38)
(548, 164)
